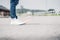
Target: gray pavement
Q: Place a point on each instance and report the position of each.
(36, 28)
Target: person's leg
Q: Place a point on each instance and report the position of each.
(13, 10)
(14, 19)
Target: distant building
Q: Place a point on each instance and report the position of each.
(38, 12)
(4, 12)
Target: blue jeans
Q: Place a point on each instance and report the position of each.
(13, 5)
(13, 11)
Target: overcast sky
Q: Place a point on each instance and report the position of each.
(34, 4)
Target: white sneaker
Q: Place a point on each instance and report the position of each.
(17, 22)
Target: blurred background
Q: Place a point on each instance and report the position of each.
(32, 8)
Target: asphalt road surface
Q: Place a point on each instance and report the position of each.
(36, 28)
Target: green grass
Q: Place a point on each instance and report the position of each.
(47, 14)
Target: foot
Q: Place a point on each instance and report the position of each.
(17, 21)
